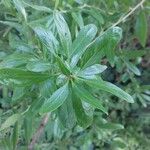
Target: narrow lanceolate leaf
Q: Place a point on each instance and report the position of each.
(146, 97)
(109, 42)
(118, 143)
(141, 28)
(15, 25)
(84, 95)
(111, 126)
(63, 31)
(66, 113)
(132, 54)
(103, 45)
(19, 74)
(19, 6)
(46, 88)
(82, 41)
(38, 66)
(28, 128)
(10, 121)
(82, 118)
(39, 8)
(47, 38)
(90, 59)
(63, 67)
(15, 135)
(133, 68)
(78, 18)
(111, 88)
(15, 60)
(92, 70)
(56, 100)
(95, 13)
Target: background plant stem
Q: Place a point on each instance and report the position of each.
(38, 132)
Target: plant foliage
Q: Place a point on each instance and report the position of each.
(70, 60)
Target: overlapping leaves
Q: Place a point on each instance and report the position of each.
(77, 60)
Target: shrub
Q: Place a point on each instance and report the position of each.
(77, 65)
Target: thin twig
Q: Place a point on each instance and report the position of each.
(38, 132)
(129, 13)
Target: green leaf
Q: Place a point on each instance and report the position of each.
(63, 32)
(18, 93)
(111, 126)
(82, 118)
(146, 97)
(91, 59)
(133, 68)
(47, 87)
(109, 42)
(28, 128)
(82, 41)
(15, 60)
(141, 100)
(92, 70)
(7, 4)
(39, 8)
(66, 113)
(46, 20)
(78, 18)
(132, 54)
(118, 143)
(10, 121)
(145, 87)
(111, 88)
(47, 38)
(15, 136)
(35, 107)
(15, 25)
(56, 100)
(95, 13)
(58, 129)
(19, 6)
(38, 66)
(103, 45)
(19, 74)
(22, 47)
(84, 95)
(63, 67)
(141, 28)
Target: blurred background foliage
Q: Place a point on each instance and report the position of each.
(129, 68)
